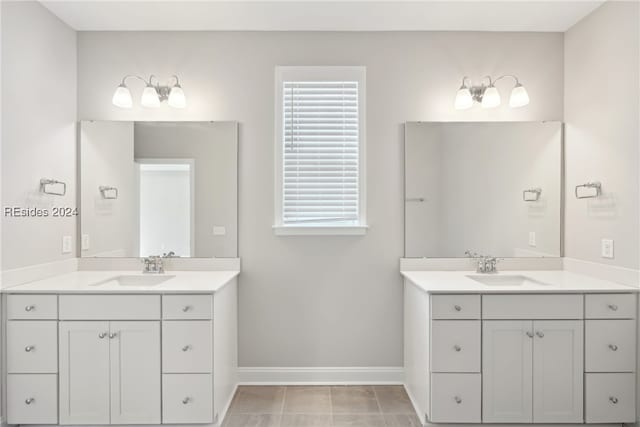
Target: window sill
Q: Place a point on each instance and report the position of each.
(344, 230)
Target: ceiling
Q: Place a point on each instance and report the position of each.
(321, 15)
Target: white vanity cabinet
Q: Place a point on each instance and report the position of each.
(517, 358)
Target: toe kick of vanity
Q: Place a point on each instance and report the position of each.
(116, 359)
(521, 358)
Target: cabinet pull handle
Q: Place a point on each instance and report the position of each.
(186, 308)
(540, 334)
(613, 399)
(457, 308)
(530, 334)
(458, 399)
(613, 347)
(186, 348)
(457, 347)
(101, 335)
(29, 348)
(113, 335)
(30, 308)
(186, 400)
(29, 400)
(613, 307)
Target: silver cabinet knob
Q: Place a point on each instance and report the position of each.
(457, 347)
(29, 348)
(613, 307)
(30, 308)
(530, 334)
(186, 347)
(113, 335)
(458, 399)
(457, 308)
(186, 400)
(186, 308)
(613, 399)
(101, 335)
(540, 334)
(29, 400)
(613, 347)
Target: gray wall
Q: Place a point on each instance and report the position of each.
(602, 114)
(38, 130)
(320, 301)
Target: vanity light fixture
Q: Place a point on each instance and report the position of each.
(152, 95)
(488, 96)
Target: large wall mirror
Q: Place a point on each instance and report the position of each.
(492, 188)
(159, 188)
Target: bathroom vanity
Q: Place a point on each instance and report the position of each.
(520, 347)
(111, 347)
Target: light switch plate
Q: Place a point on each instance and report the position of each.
(607, 248)
(219, 230)
(532, 238)
(86, 243)
(66, 244)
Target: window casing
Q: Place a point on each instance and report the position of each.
(320, 150)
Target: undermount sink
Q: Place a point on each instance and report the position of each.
(136, 280)
(506, 280)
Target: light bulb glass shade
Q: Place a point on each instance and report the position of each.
(122, 97)
(150, 97)
(519, 97)
(463, 99)
(177, 98)
(491, 97)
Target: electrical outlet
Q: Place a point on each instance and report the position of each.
(219, 230)
(86, 243)
(532, 238)
(66, 244)
(607, 248)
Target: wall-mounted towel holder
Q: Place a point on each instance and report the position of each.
(47, 186)
(531, 195)
(415, 199)
(594, 187)
(108, 193)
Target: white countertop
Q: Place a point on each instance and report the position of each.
(99, 282)
(542, 282)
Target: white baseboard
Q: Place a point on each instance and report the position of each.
(320, 375)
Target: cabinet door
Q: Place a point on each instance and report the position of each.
(507, 351)
(135, 372)
(84, 372)
(558, 371)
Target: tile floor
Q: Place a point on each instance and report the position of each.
(321, 406)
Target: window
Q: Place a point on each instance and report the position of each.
(320, 154)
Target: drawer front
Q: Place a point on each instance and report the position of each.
(610, 398)
(35, 307)
(610, 306)
(610, 346)
(32, 399)
(109, 307)
(532, 307)
(455, 398)
(455, 306)
(455, 345)
(32, 346)
(187, 346)
(187, 398)
(194, 307)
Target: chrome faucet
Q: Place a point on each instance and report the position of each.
(153, 264)
(485, 264)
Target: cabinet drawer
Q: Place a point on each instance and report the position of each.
(610, 398)
(455, 346)
(187, 346)
(109, 307)
(187, 398)
(532, 307)
(32, 399)
(610, 345)
(610, 306)
(455, 306)
(199, 307)
(455, 398)
(32, 346)
(37, 307)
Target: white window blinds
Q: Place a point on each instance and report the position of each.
(320, 147)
